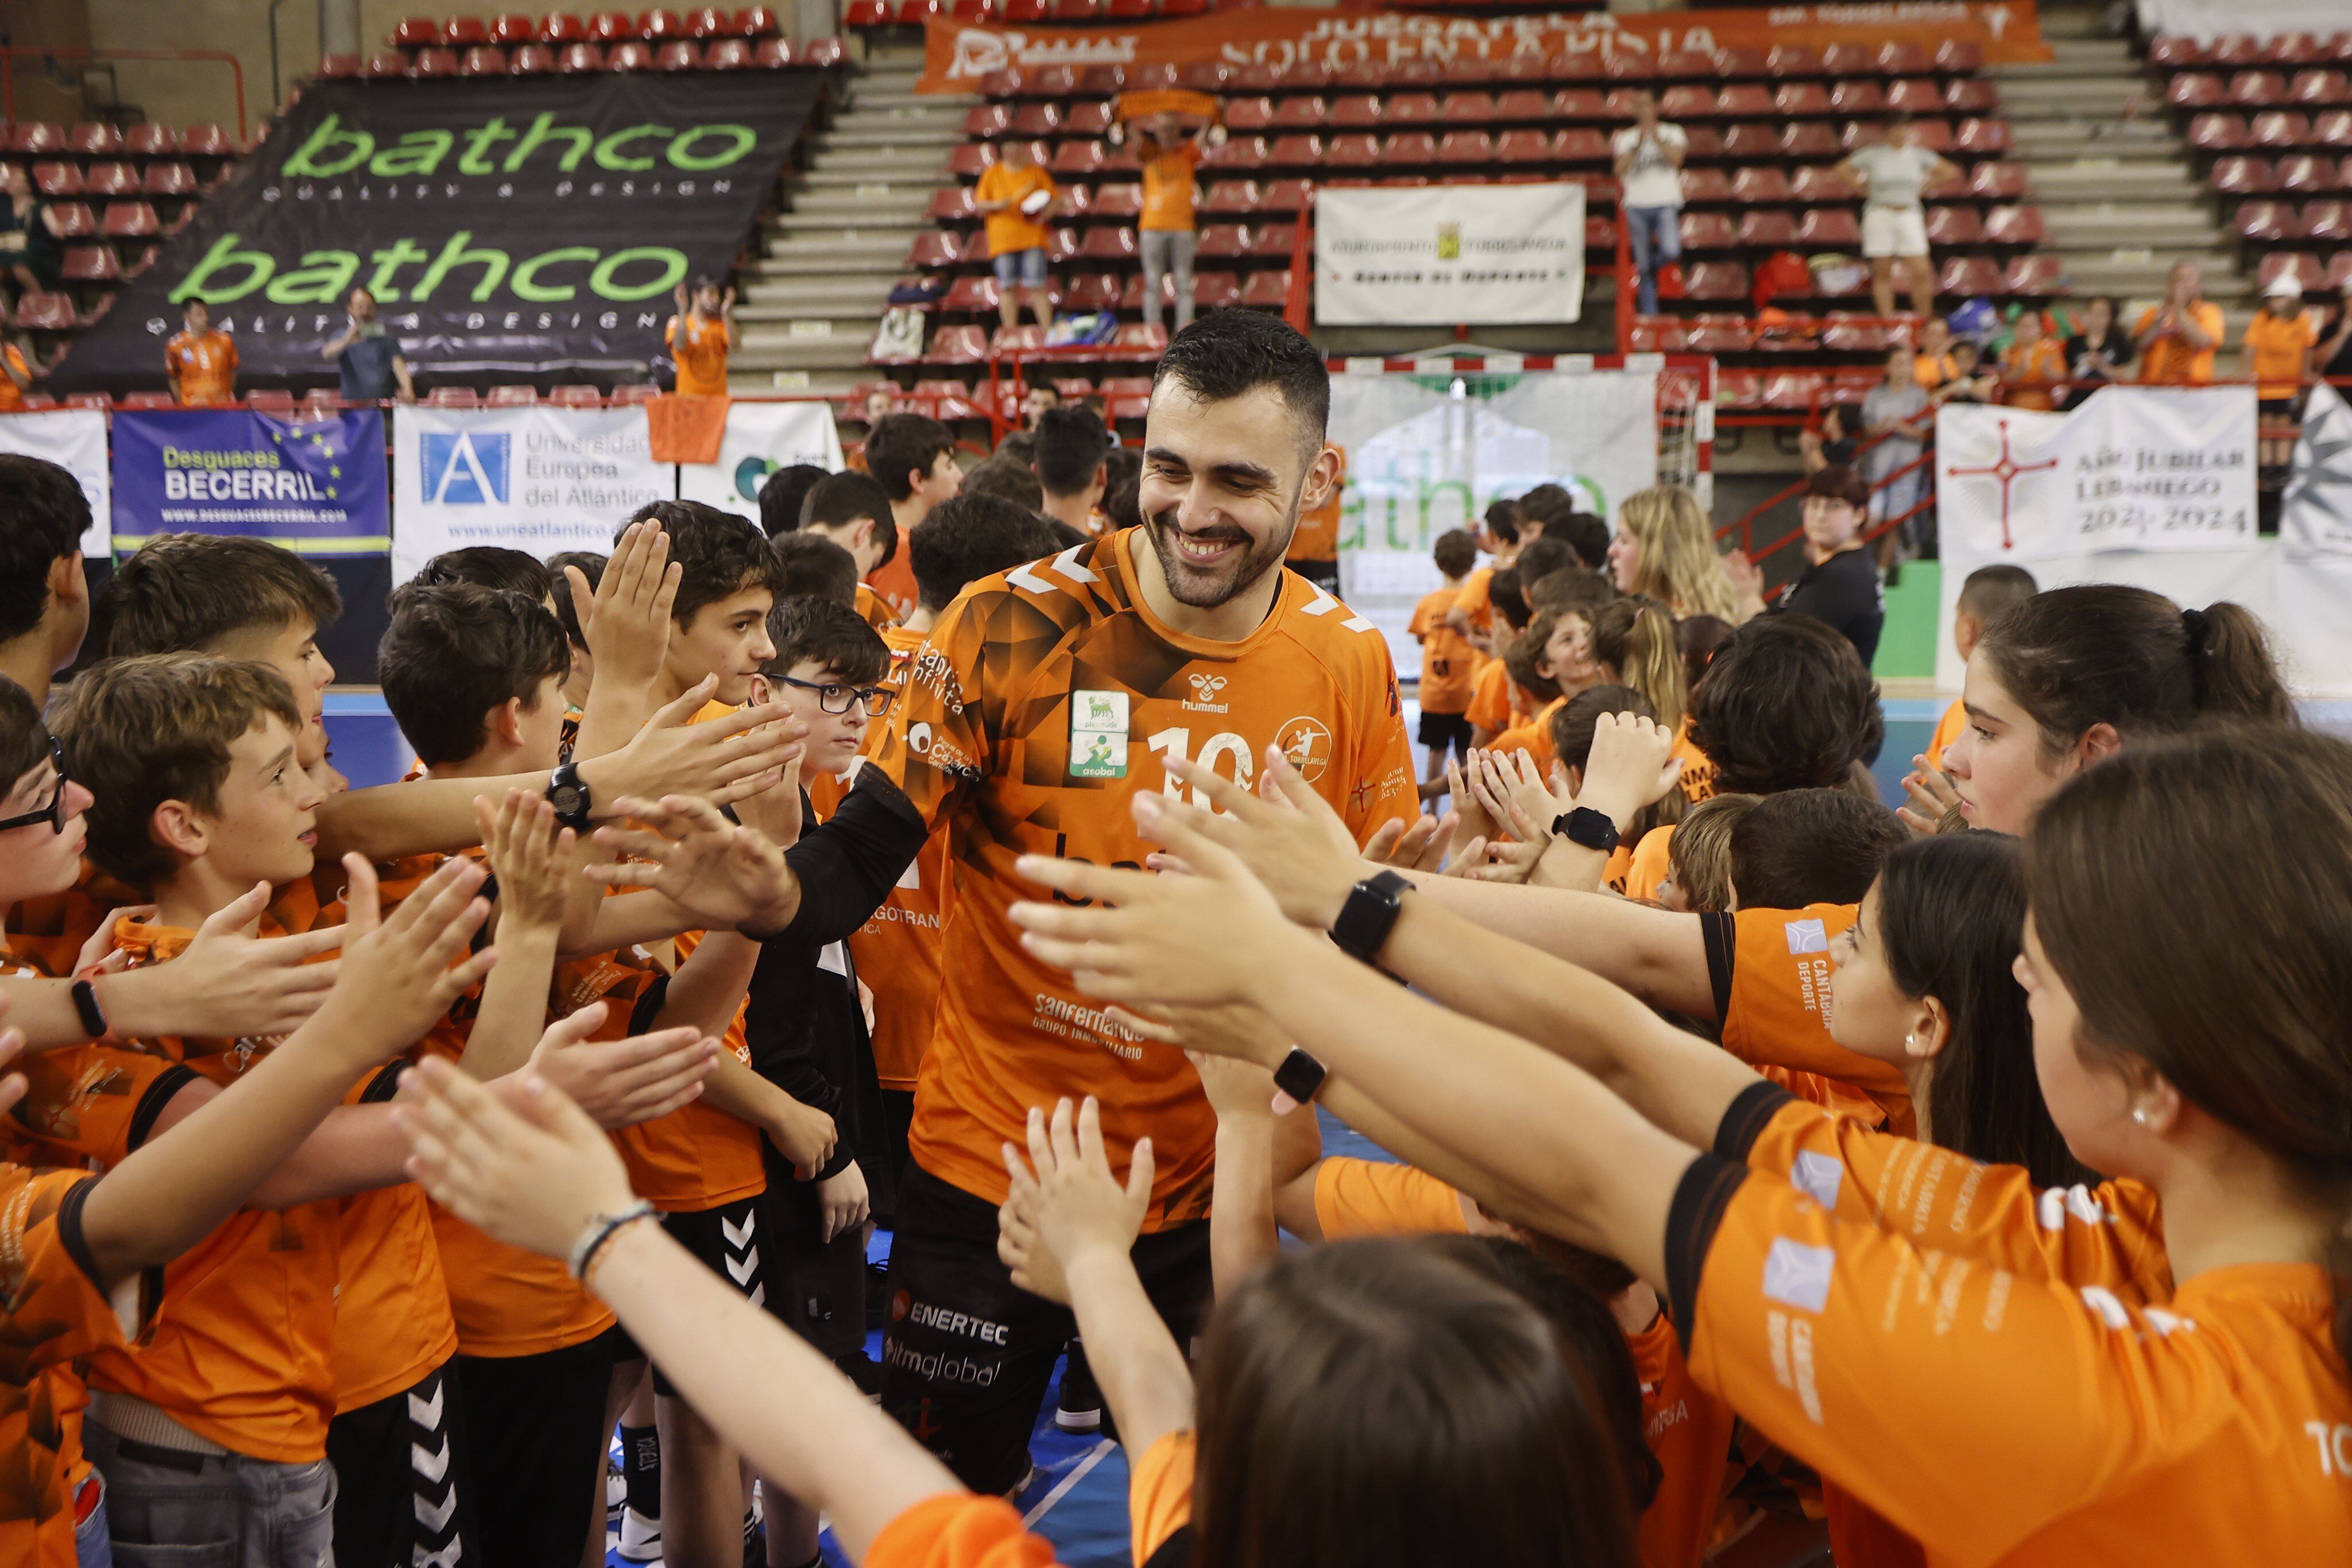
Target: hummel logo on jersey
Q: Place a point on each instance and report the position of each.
(1205, 688)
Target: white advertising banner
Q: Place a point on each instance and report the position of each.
(2148, 486)
(75, 440)
(1434, 255)
(2313, 629)
(760, 438)
(537, 479)
(1423, 456)
(2211, 19)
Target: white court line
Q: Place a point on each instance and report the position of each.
(1101, 1451)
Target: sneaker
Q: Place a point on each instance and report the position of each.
(640, 1537)
(1079, 1409)
(616, 1490)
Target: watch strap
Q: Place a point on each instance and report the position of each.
(1370, 914)
(1584, 826)
(1296, 1080)
(85, 1001)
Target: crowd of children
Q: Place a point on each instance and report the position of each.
(1965, 1186)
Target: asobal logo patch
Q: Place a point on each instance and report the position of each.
(464, 467)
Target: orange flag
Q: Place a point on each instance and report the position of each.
(686, 429)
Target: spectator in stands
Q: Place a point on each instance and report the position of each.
(20, 367)
(367, 357)
(2334, 356)
(1170, 158)
(1839, 587)
(700, 336)
(1833, 442)
(1934, 365)
(1893, 412)
(1892, 175)
(1971, 380)
(2176, 339)
(1037, 400)
(2099, 351)
(200, 363)
(1648, 156)
(2276, 356)
(2032, 365)
(32, 245)
(1015, 196)
(1072, 453)
(781, 495)
(881, 404)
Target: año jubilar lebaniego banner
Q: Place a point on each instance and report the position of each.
(505, 224)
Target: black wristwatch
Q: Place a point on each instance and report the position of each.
(85, 1001)
(568, 793)
(1299, 1076)
(1370, 913)
(1583, 825)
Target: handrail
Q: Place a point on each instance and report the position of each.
(45, 52)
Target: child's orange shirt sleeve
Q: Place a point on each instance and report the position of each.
(1649, 866)
(959, 1530)
(1770, 971)
(1371, 1198)
(1159, 1493)
(1490, 698)
(1688, 1431)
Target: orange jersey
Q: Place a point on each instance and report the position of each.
(2028, 371)
(2281, 347)
(1167, 188)
(1448, 663)
(46, 934)
(393, 1322)
(1041, 701)
(2006, 1418)
(1651, 863)
(875, 609)
(698, 344)
(55, 1311)
(1699, 769)
(1534, 737)
(1948, 730)
(2170, 358)
(1689, 1432)
(1374, 1197)
(898, 950)
(12, 396)
(203, 367)
(1475, 597)
(1771, 974)
(1160, 1494)
(894, 580)
(1491, 698)
(958, 1530)
(1316, 537)
(1012, 229)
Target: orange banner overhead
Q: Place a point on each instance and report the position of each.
(956, 55)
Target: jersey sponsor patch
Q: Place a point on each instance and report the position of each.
(1817, 1177)
(1797, 1275)
(1807, 937)
(1097, 735)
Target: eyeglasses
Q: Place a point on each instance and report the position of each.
(54, 813)
(834, 699)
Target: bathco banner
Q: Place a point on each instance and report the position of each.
(529, 225)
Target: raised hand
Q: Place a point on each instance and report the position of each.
(398, 976)
(721, 761)
(727, 874)
(533, 1177)
(1930, 798)
(1077, 1206)
(1298, 850)
(531, 855)
(626, 617)
(227, 983)
(621, 1083)
(12, 1045)
(1631, 766)
(1477, 819)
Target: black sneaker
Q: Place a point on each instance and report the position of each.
(1080, 1407)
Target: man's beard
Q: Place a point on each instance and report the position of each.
(1208, 587)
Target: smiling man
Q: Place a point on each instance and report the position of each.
(1044, 699)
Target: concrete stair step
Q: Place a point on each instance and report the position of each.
(831, 384)
(2092, 53)
(873, 98)
(847, 251)
(2139, 273)
(886, 140)
(2063, 141)
(843, 350)
(924, 169)
(819, 212)
(2042, 97)
(2073, 22)
(840, 294)
(2099, 220)
(2111, 179)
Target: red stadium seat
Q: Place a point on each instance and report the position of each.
(1687, 103)
(1738, 390)
(1467, 109)
(169, 179)
(2294, 49)
(1466, 147)
(1844, 333)
(1267, 289)
(1580, 103)
(630, 55)
(1968, 274)
(1999, 181)
(2317, 89)
(2034, 277)
(338, 68)
(74, 220)
(1099, 81)
(2308, 270)
(1686, 65)
(2240, 175)
(1914, 96)
(2333, 128)
(2304, 175)
(2013, 225)
(759, 22)
(1958, 57)
(775, 53)
(1793, 388)
(1216, 290)
(1286, 195)
(1238, 153)
(951, 206)
(2279, 129)
(465, 32)
(987, 121)
(1524, 105)
(414, 33)
(58, 179)
(1808, 139)
(1410, 108)
(94, 139)
(562, 27)
(1227, 196)
(1900, 58)
(1715, 280)
(1036, 120)
(2257, 89)
(1982, 138)
(1970, 95)
(1119, 203)
(129, 220)
(678, 54)
(1090, 291)
(2238, 50)
(1857, 98)
(91, 263)
(971, 295)
(2330, 221)
(1705, 185)
(1224, 242)
(2174, 52)
(1742, 64)
(1295, 152)
(2267, 221)
(611, 26)
(434, 63)
(958, 346)
(40, 312)
(512, 397)
(661, 25)
(1829, 228)
(1306, 112)
(1105, 242)
(1754, 185)
(152, 141)
(386, 63)
(728, 55)
(531, 60)
(482, 60)
(1847, 60)
(1410, 148)
(145, 400)
(1522, 147)
(1948, 227)
(1751, 143)
(1746, 100)
(1822, 183)
(1767, 230)
(1581, 144)
(1354, 152)
(710, 22)
(1720, 334)
(513, 28)
(1254, 113)
(1077, 159)
(1708, 231)
(1800, 99)
(1075, 12)
(577, 58)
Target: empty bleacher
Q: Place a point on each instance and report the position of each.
(566, 42)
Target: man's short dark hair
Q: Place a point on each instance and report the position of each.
(720, 552)
(1007, 481)
(1582, 532)
(1570, 589)
(1226, 354)
(813, 565)
(1018, 445)
(1992, 591)
(182, 591)
(456, 650)
(24, 739)
(591, 566)
(43, 516)
(1456, 552)
(806, 627)
(1524, 652)
(1503, 593)
(965, 539)
(1542, 556)
(1810, 846)
(1787, 704)
(488, 566)
(901, 446)
(1837, 482)
(850, 496)
(1071, 446)
(781, 493)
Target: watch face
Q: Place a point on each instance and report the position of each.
(565, 798)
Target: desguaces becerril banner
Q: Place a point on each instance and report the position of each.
(518, 225)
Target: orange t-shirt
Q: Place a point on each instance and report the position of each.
(1698, 768)
(1653, 863)
(2168, 359)
(894, 580)
(1316, 537)
(2006, 1418)
(1376, 1198)
(959, 1530)
(1041, 701)
(203, 367)
(1475, 597)
(393, 1319)
(1013, 230)
(1168, 189)
(875, 609)
(1534, 737)
(1448, 663)
(698, 344)
(1772, 970)
(57, 1312)
(1689, 1432)
(1948, 730)
(1160, 1494)
(2028, 372)
(12, 396)
(1492, 694)
(2281, 350)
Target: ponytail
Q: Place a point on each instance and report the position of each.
(1634, 637)
(2104, 654)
